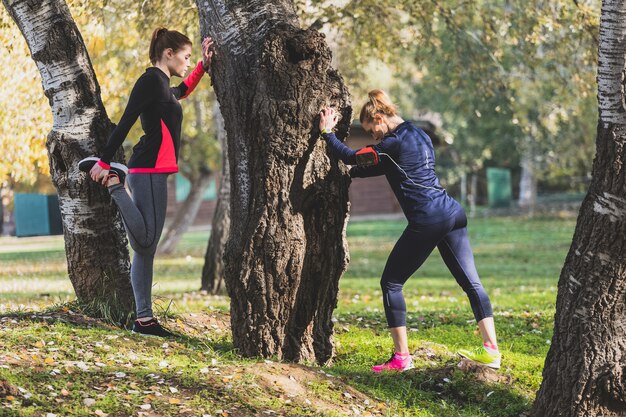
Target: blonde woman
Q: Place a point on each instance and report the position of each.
(405, 155)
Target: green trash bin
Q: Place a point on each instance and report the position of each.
(37, 215)
(499, 187)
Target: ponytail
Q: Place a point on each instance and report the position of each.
(162, 39)
(378, 103)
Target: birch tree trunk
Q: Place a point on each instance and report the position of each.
(585, 371)
(289, 200)
(213, 269)
(95, 240)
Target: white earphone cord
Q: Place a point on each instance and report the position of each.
(409, 178)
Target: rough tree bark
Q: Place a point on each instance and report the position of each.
(95, 240)
(213, 269)
(289, 200)
(585, 371)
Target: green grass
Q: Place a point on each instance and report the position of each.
(519, 261)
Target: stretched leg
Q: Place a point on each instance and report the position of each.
(144, 216)
(144, 212)
(457, 254)
(409, 253)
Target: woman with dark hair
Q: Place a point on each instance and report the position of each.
(153, 159)
(405, 155)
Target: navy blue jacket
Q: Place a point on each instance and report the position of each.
(407, 158)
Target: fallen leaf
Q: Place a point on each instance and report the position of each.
(100, 413)
(174, 401)
(49, 361)
(89, 402)
(145, 406)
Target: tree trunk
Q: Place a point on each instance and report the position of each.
(289, 200)
(464, 198)
(528, 182)
(95, 240)
(473, 194)
(185, 214)
(213, 270)
(585, 371)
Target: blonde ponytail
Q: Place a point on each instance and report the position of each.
(379, 103)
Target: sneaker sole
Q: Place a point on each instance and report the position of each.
(489, 365)
(151, 335)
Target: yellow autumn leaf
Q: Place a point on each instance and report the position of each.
(49, 361)
(174, 401)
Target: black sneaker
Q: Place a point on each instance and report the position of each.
(150, 328)
(120, 170)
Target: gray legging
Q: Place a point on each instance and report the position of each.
(144, 216)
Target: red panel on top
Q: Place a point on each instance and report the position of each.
(167, 155)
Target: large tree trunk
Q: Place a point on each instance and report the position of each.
(185, 214)
(585, 371)
(213, 270)
(95, 240)
(289, 200)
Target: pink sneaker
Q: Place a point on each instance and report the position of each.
(397, 362)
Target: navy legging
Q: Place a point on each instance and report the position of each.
(410, 252)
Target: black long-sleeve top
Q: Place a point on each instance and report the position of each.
(156, 104)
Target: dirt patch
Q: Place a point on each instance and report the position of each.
(480, 372)
(7, 389)
(483, 373)
(201, 323)
(298, 384)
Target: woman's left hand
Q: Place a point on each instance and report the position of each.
(207, 53)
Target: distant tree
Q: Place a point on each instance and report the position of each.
(213, 269)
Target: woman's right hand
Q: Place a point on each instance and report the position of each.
(328, 119)
(97, 173)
